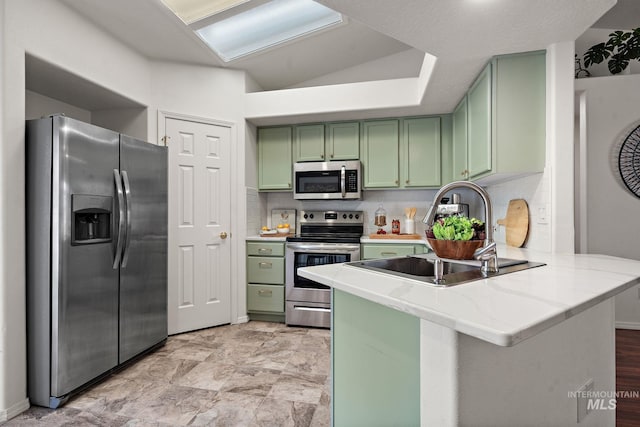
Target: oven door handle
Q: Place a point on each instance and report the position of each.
(324, 249)
(343, 181)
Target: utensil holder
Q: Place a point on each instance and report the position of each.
(409, 226)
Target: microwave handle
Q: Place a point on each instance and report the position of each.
(343, 183)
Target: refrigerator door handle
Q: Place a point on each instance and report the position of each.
(121, 218)
(127, 239)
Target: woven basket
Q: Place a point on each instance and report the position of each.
(455, 249)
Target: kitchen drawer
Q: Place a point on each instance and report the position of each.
(265, 248)
(265, 270)
(386, 251)
(265, 298)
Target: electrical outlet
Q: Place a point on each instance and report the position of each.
(582, 399)
(543, 213)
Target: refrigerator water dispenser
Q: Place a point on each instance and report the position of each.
(91, 219)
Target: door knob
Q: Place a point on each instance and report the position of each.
(223, 235)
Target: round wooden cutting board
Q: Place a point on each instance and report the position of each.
(516, 222)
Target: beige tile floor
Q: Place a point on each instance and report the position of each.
(254, 374)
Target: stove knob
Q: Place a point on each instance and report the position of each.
(306, 216)
(357, 216)
(311, 216)
(350, 216)
(344, 216)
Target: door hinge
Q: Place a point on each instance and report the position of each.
(165, 139)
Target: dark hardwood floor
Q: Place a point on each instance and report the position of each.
(628, 376)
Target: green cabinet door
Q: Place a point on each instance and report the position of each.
(479, 125)
(309, 143)
(420, 152)
(376, 364)
(274, 158)
(380, 154)
(389, 250)
(520, 113)
(459, 143)
(343, 141)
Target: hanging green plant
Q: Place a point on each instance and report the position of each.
(621, 48)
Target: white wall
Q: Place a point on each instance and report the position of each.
(37, 106)
(611, 225)
(535, 190)
(52, 32)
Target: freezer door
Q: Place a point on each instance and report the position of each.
(143, 274)
(84, 288)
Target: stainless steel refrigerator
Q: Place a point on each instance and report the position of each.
(96, 253)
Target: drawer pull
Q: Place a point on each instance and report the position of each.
(265, 265)
(265, 250)
(388, 253)
(265, 293)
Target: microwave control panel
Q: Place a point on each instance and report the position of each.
(351, 178)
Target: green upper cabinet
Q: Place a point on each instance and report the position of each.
(380, 154)
(519, 113)
(420, 152)
(479, 125)
(343, 141)
(459, 141)
(309, 143)
(499, 127)
(274, 158)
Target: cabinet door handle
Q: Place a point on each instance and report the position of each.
(265, 293)
(322, 156)
(265, 250)
(331, 155)
(388, 253)
(407, 181)
(265, 265)
(396, 182)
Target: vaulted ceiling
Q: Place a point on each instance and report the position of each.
(383, 39)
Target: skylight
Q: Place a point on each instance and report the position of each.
(266, 25)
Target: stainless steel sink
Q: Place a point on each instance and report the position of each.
(454, 272)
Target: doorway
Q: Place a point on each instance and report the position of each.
(199, 269)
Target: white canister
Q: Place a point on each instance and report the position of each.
(409, 226)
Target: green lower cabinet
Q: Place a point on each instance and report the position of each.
(376, 364)
(268, 298)
(389, 250)
(265, 280)
(268, 270)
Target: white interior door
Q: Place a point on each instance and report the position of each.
(199, 223)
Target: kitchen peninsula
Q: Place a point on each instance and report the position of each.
(505, 351)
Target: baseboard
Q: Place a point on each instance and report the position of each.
(241, 319)
(14, 410)
(628, 325)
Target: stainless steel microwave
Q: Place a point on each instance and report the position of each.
(327, 180)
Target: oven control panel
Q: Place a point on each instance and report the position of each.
(331, 217)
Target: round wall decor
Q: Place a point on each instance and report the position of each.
(629, 162)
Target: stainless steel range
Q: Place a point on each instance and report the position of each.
(322, 237)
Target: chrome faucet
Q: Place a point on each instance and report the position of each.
(488, 253)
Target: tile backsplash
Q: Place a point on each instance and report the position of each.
(533, 188)
(394, 202)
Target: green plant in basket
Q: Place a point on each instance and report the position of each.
(458, 228)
